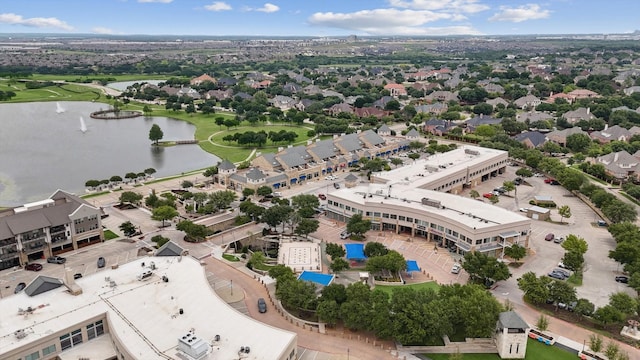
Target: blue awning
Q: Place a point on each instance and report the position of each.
(293, 181)
(302, 177)
(276, 186)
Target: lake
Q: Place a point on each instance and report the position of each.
(43, 148)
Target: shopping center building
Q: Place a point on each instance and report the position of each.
(151, 308)
(419, 199)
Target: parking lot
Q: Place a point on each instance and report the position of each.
(600, 271)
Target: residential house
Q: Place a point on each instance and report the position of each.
(260, 85)
(442, 96)
(303, 104)
(282, 102)
(496, 101)
(396, 90)
(438, 126)
(533, 116)
(560, 136)
(473, 123)
(227, 81)
(370, 111)
(200, 79)
(311, 90)
(340, 108)
(620, 165)
(219, 94)
(531, 139)
(190, 92)
(583, 94)
(609, 134)
(630, 90)
(527, 102)
(581, 113)
(292, 88)
(435, 108)
(552, 98)
(494, 88)
(382, 102)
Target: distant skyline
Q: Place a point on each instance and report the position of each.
(319, 17)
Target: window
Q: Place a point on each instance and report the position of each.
(49, 350)
(95, 329)
(376, 214)
(401, 218)
(34, 356)
(67, 341)
(385, 215)
(348, 208)
(393, 216)
(409, 219)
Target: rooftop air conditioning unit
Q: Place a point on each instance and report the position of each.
(20, 334)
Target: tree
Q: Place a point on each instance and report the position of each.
(335, 250)
(618, 211)
(155, 134)
(159, 240)
(524, 172)
(509, 186)
(357, 226)
(372, 249)
(494, 199)
(612, 350)
(564, 212)
(163, 213)
(623, 303)
(328, 311)
(149, 171)
(561, 292)
(584, 307)
(276, 215)
(607, 315)
(483, 268)
(130, 197)
(211, 172)
(595, 342)
(396, 162)
(536, 289)
(246, 192)
(307, 226)
(257, 260)
(339, 264)
(186, 184)
(128, 228)
(576, 244)
(542, 323)
(413, 156)
(195, 232)
(474, 194)
(264, 191)
(516, 252)
(92, 183)
(305, 204)
(485, 131)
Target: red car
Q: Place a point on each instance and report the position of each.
(548, 180)
(322, 196)
(488, 195)
(33, 267)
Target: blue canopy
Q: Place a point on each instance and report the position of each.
(355, 251)
(412, 265)
(319, 278)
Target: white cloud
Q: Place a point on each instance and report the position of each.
(268, 8)
(390, 22)
(521, 13)
(155, 1)
(457, 6)
(102, 30)
(13, 19)
(218, 6)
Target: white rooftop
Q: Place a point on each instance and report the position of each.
(423, 171)
(465, 211)
(145, 315)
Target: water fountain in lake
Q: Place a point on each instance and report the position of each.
(59, 108)
(83, 126)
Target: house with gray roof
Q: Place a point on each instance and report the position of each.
(435, 108)
(574, 116)
(531, 139)
(282, 102)
(384, 130)
(560, 136)
(438, 126)
(413, 134)
(48, 227)
(473, 123)
(170, 249)
(621, 165)
(496, 101)
(527, 102)
(533, 116)
(609, 134)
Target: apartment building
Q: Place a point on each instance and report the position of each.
(37, 230)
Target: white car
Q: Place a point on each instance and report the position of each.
(456, 269)
(524, 210)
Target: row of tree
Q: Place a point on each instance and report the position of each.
(409, 316)
(116, 179)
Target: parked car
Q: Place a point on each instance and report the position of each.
(558, 240)
(622, 279)
(572, 305)
(602, 223)
(336, 185)
(77, 276)
(19, 287)
(455, 269)
(561, 265)
(524, 210)
(500, 190)
(549, 237)
(564, 272)
(487, 195)
(262, 305)
(322, 196)
(538, 175)
(33, 267)
(345, 234)
(56, 260)
(556, 275)
(548, 180)
(101, 262)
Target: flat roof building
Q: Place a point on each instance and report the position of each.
(151, 308)
(452, 171)
(459, 223)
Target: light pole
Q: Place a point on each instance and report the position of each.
(347, 353)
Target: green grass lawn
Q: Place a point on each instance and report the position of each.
(535, 351)
(110, 235)
(230, 257)
(67, 92)
(426, 285)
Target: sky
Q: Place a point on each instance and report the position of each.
(319, 17)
